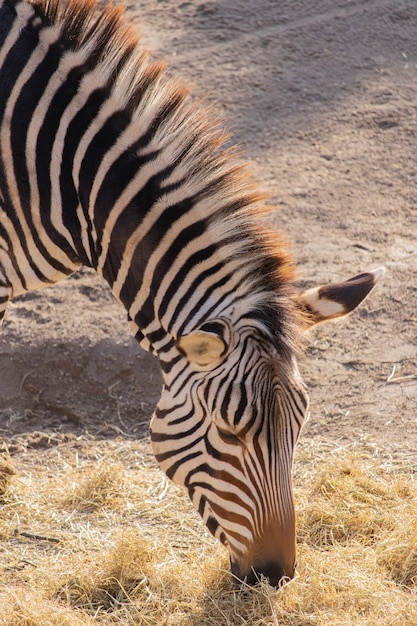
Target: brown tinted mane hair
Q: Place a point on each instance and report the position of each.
(112, 43)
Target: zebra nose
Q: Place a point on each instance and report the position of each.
(272, 570)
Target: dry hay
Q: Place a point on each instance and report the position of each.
(92, 533)
(6, 470)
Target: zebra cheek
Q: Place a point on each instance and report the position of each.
(174, 460)
(167, 462)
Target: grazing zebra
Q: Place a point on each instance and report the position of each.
(105, 162)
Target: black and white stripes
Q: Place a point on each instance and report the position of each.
(106, 162)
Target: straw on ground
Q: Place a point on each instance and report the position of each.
(93, 533)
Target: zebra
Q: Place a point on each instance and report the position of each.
(107, 162)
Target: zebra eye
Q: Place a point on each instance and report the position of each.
(228, 437)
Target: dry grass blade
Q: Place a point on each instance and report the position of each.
(392, 379)
(101, 486)
(6, 470)
(133, 551)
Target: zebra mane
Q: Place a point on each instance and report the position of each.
(191, 134)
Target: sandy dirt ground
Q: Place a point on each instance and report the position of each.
(322, 96)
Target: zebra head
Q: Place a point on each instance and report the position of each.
(226, 426)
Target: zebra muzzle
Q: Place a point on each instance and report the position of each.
(273, 571)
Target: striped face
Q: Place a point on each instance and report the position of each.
(225, 428)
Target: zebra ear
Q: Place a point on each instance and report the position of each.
(336, 300)
(202, 347)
